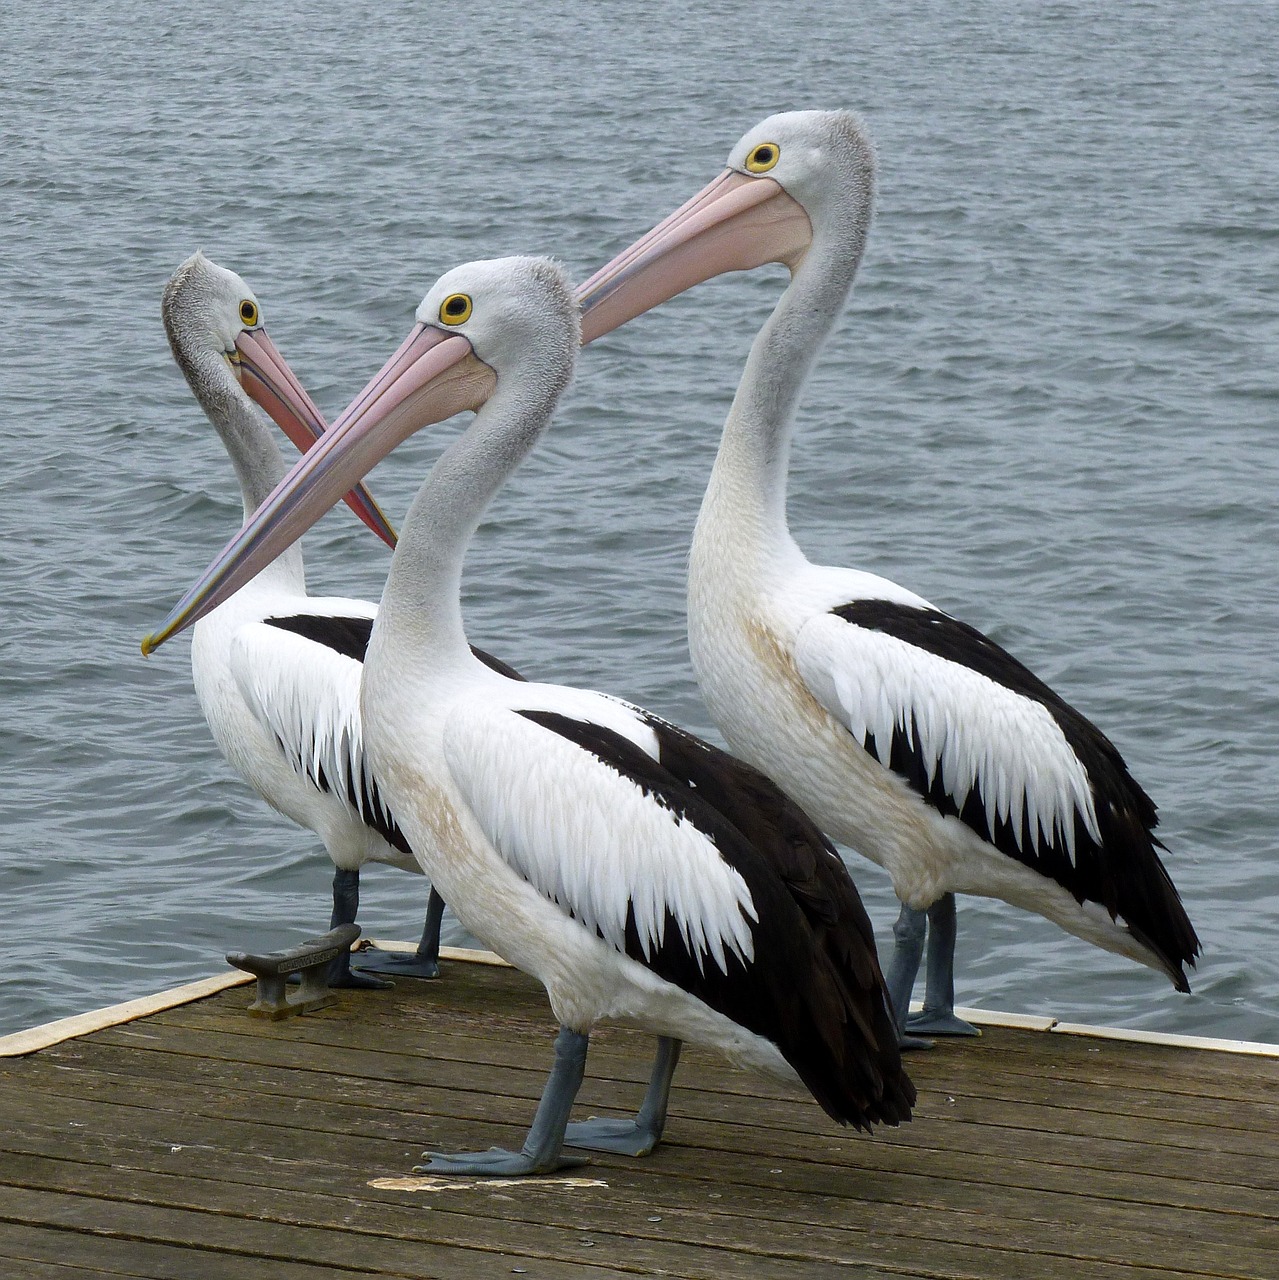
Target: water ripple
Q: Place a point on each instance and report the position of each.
(1050, 409)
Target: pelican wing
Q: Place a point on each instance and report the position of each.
(573, 798)
(699, 867)
(300, 677)
(965, 724)
(982, 738)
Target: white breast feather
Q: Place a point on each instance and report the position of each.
(971, 730)
(591, 840)
(308, 697)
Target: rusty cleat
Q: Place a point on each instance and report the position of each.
(310, 960)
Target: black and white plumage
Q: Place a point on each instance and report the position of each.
(1057, 808)
(796, 905)
(635, 871)
(274, 675)
(903, 732)
(316, 723)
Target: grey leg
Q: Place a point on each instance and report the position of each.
(424, 962)
(639, 1136)
(908, 951)
(543, 1150)
(938, 1015)
(346, 906)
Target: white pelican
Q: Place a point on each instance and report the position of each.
(903, 732)
(637, 872)
(296, 742)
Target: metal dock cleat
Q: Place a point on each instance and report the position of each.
(309, 960)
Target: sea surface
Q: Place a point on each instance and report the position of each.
(1052, 408)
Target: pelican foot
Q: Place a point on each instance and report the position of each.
(912, 1043)
(401, 964)
(496, 1163)
(342, 976)
(621, 1137)
(348, 979)
(940, 1022)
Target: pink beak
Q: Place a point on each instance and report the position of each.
(433, 375)
(736, 223)
(267, 378)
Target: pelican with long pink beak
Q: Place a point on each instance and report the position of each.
(277, 672)
(904, 732)
(634, 870)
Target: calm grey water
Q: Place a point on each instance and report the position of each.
(1051, 408)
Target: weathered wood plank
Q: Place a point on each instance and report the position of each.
(925, 1187)
(1032, 1156)
(938, 1076)
(637, 1192)
(29, 1270)
(391, 1022)
(948, 1185)
(1103, 1229)
(392, 1103)
(29, 1252)
(1179, 1136)
(1216, 1074)
(254, 1243)
(703, 1244)
(504, 1120)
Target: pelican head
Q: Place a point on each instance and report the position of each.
(216, 330)
(483, 325)
(796, 179)
(495, 330)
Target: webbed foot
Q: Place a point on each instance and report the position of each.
(401, 964)
(907, 1043)
(940, 1022)
(342, 976)
(621, 1137)
(496, 1163)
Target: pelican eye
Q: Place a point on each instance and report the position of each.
(455, 309)
(249, 311)
(763, 157)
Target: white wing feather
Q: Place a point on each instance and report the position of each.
(308, 697)
(589, 838)
(971, 730)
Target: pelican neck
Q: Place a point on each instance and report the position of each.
(746, 497)
(258, 462)
(420, 617)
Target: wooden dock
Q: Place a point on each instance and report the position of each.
(202, 1144)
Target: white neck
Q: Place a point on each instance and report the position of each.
(259, 465)
(419, 623)
(745, 503)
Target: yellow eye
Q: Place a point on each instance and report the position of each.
(455, 309)
(249, 311)
(763, 157)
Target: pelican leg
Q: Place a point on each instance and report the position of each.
(938, 1015)
(908, 951)
(424, 962)
(543, 1149)
(346, 906)
(639, 1136)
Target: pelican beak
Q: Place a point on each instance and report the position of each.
(738, 222)
(267, 378)
(433, 375)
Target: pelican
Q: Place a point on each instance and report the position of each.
(904, 732)
(635, 871)
(297, 743)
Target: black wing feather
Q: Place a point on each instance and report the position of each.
(349, 636)
(1122, 871)
(814, 987)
